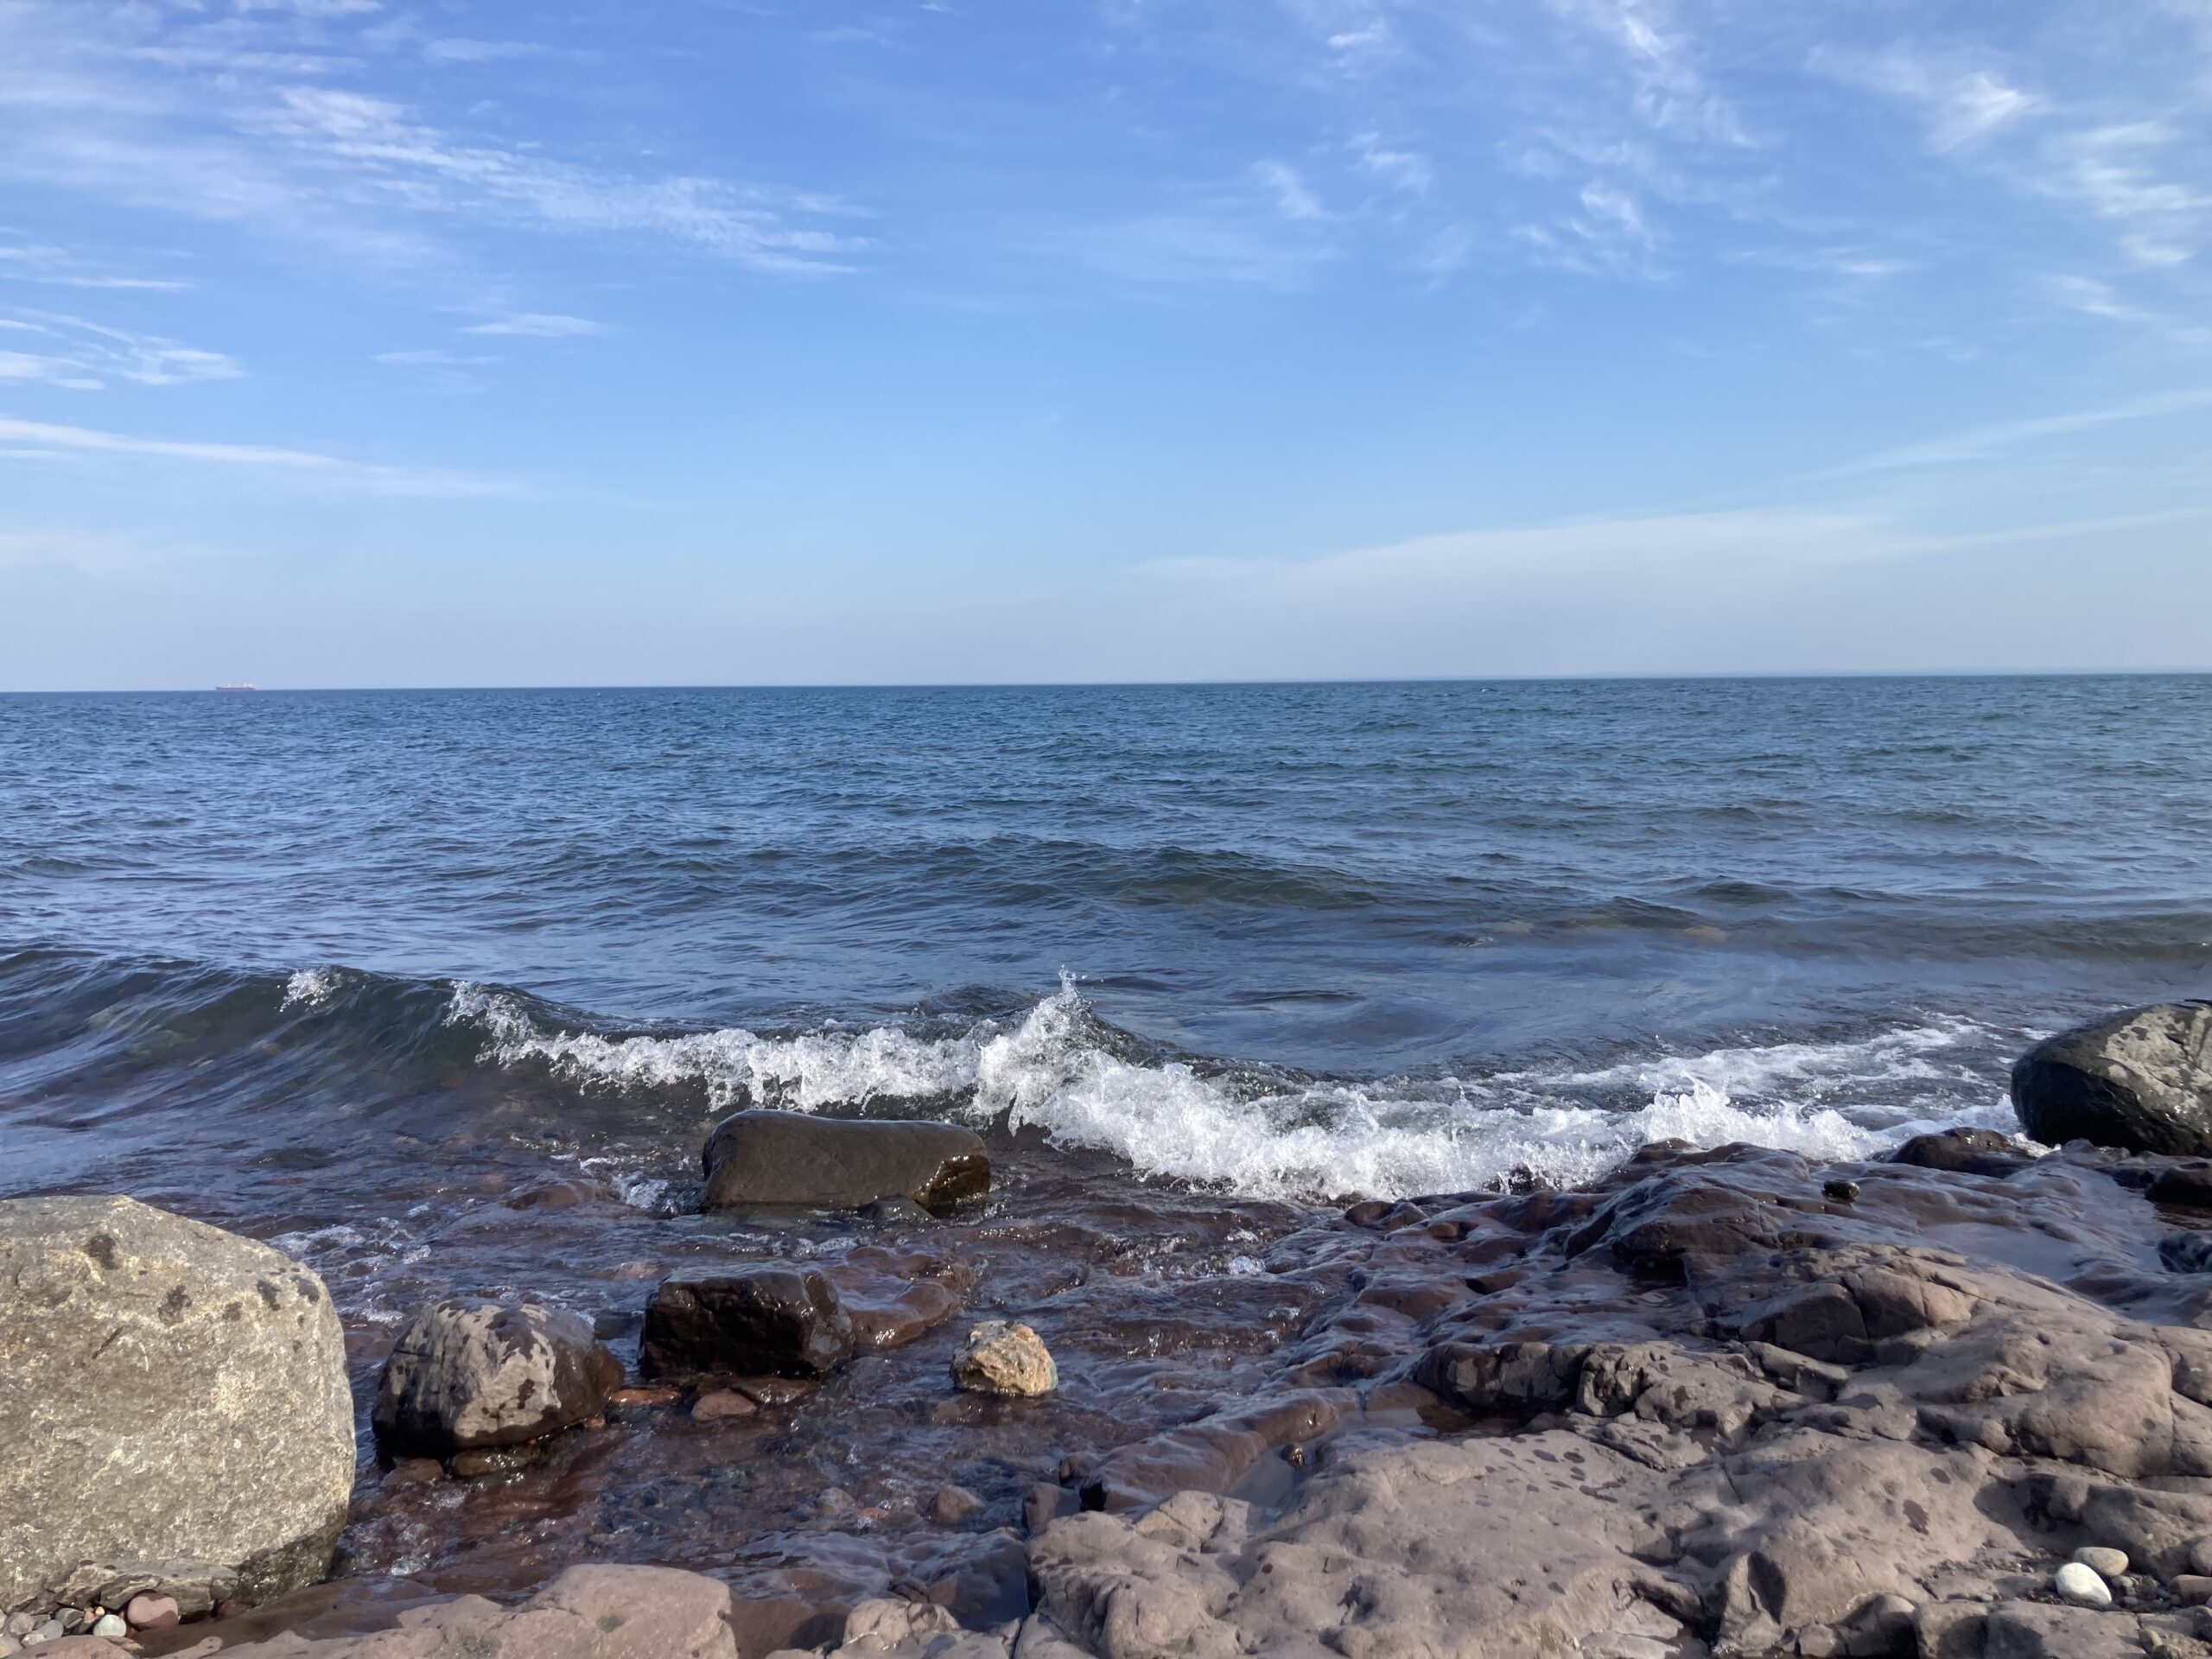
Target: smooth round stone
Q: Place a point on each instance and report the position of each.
(2105, 1563)
(111, 1625)
(2081, 1586)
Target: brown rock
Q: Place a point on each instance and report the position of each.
(720, 1404)
(780, 1321)
(951, 1505)
(793, 1158)
(2192, 1589)
(151, 1612)
(661, 1394)
(410, 1471)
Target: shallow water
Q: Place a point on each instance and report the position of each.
(443, 990)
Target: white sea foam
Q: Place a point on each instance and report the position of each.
(310, 988)
(1836, 1101)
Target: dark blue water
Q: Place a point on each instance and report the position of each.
(1317, 937)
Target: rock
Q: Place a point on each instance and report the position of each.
(951, 1505)
(894, 1212)
(173, 1392)
(793, 1158)
(2200, 1555)
(467, 1375)
(2081, 1586)
(2192, 1589)
(719, 1405)
(645, 1399)
(151, 1612)
(1005, 1359)
(2105, 1563)
(2186, 1187)
(766, 1321)
(110, 1626)
(2140, 1080)
(1962, 1151)
(484, 1461)
(414, 1472)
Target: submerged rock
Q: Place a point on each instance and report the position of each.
(467, 1374)
(2140, 1080)
(1005, 1359)
(758, 1321)
(174, 1417)
(791, 1157)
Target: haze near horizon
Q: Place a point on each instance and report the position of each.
(444, 342)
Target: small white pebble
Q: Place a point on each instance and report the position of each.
(111, 1625)
(2105, 1563)
(2081, 1586)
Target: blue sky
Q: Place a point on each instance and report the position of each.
(452, 342)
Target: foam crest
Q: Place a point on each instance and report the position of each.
(1322, 1140)
(310, 988)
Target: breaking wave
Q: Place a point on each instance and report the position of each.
(1265, 1132)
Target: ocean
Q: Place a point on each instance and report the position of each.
(372, 974)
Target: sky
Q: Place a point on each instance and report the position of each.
(455, 342)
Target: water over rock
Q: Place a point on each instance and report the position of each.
(175, 1417)
(752, 1321)
(2139, 1080)
(793, 1158)
(469, 1374)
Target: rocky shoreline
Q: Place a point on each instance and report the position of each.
(1956, 1402)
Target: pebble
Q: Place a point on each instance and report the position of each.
(111, 1625)
(2105, 1563)
(53, 1631)
(152, 1612)
(1841, 1192)
(2081, 1586)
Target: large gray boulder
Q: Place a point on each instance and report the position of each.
(468, 1373)
(174, 1408)
(2140, 1079)
(791, 1157)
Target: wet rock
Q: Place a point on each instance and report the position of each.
(467, 1374)
(2080, 1583)
(140, 1352)
(720, 1405)
(951, 1505)
(764, 1321)
(1005, 1359)
(2140, 1080)
(793, 1158)
(1963, 1151)
(485, 1461)
(414, 1471)
(2186, 1187)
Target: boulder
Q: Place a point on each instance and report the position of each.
(790, 1158)
(467, 1374)
(170, 1393)
(756, 1321)
(2140, 1080)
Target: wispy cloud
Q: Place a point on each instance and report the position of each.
(1671, 91)
(1984, 442)
(71, 352)
(539, 325)
(46, 436)
(58, 268)
(1291, 195)
(1961, 106)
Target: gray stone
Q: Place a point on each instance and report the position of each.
(793, 1158)
(110, 1626)
(467, 1373)
(169, 1393)
(758, 1321)
(2105, 1563)
(2140, 1080)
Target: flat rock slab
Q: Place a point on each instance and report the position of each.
(791, 1157)
(170, 1393)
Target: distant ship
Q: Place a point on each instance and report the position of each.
(237, 688)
